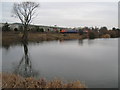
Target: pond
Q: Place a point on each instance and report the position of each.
(93, 62)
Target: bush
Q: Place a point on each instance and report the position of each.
(15, 29)
(91, 35)
(40, 29)
(6, 27)
(106, 36)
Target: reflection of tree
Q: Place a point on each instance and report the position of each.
(90, 41)
(80, 41)
(25, 66)
(6, 47)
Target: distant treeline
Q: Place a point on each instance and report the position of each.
(102, 32)
(89, 32)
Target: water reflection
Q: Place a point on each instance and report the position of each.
(80, 41)
(24, 67)
(6, 47)
(90, 41)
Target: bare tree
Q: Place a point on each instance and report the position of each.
(25, 12)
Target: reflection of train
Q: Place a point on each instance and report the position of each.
(68, 31)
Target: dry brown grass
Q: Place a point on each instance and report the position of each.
(16, 81)
(105, 36)
(11, 37)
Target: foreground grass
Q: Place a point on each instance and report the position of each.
(16, 81)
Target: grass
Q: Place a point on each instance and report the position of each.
(15, 37)
(16, 81)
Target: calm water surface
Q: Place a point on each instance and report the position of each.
(94, 62)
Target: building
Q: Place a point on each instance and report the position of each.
(19, 27)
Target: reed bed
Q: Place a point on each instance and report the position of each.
(16, 81)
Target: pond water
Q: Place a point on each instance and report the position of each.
(93, 62)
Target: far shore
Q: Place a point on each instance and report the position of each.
(16, 37)
(9, 38)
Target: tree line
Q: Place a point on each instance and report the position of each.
(91, 32)
(102, 32)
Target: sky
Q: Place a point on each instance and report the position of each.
(68, 14)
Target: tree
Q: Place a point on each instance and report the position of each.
(113, 28)
(6, 27)
(40, 30)
(15, 29)
(25, 12)
(80, 32)
(103, 30)
(91, 35)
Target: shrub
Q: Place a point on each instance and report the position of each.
(91, 35)
(105, 36)
(6, 27)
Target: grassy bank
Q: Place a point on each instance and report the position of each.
(11, 37)
(16, 81)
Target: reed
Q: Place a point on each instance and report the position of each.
(16, 81)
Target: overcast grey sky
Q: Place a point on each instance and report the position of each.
(69, 14)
